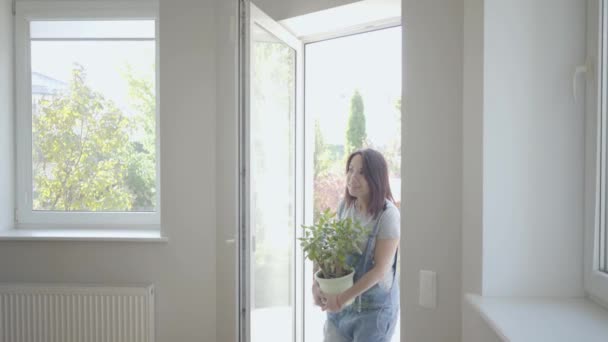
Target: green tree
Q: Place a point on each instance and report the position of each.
(322, 156)
(393, 151)
(141, 175)
(399, 114)
(80, 151)
(355, 129)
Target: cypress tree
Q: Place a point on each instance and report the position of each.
(355, 129)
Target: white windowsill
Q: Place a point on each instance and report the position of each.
(123, 234)
(543, 319)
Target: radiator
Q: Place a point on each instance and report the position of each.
(51, 313)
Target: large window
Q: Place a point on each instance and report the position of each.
(87, 115)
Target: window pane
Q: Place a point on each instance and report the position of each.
(272, 213)
(139, 29)
(93, 126)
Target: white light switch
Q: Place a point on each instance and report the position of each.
(428, 289)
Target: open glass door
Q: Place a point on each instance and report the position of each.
(271, 190)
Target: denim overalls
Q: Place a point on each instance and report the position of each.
(373, 315)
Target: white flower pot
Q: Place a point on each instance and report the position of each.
(336, 285)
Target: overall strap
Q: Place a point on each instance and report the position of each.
(341, 207)
(371, 242)
(394, 268)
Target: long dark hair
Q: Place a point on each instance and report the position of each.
(375, 172)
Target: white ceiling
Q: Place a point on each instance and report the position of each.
(353, 16)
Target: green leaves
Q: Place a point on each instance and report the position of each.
(84, 149)
(330, 241)
(141, 173)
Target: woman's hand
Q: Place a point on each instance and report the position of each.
(316, 294)
(332, 302)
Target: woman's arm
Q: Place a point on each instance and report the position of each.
(383, 257)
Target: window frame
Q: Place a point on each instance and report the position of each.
(27, 11)
(596, 193)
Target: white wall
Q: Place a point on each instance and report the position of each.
(184, 269)
(473, 327)
(226, 171)
(533, 148)
(6, 116)
(472, 151)
(523, 152)
(432, 164)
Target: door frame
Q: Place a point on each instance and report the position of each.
(304, 131)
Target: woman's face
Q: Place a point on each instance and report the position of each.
(355, 180)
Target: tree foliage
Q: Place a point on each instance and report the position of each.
(141, 176)
(322, 156)
(85, 156)
(355, 128)
(80, 148)
(393, 150)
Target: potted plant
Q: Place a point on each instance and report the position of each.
(328, 244)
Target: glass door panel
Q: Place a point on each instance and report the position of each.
(272, 187)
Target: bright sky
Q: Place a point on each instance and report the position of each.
(102, 60)
(369, 62)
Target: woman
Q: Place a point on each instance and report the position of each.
(373, 314)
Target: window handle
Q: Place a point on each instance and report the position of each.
(579, 69)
